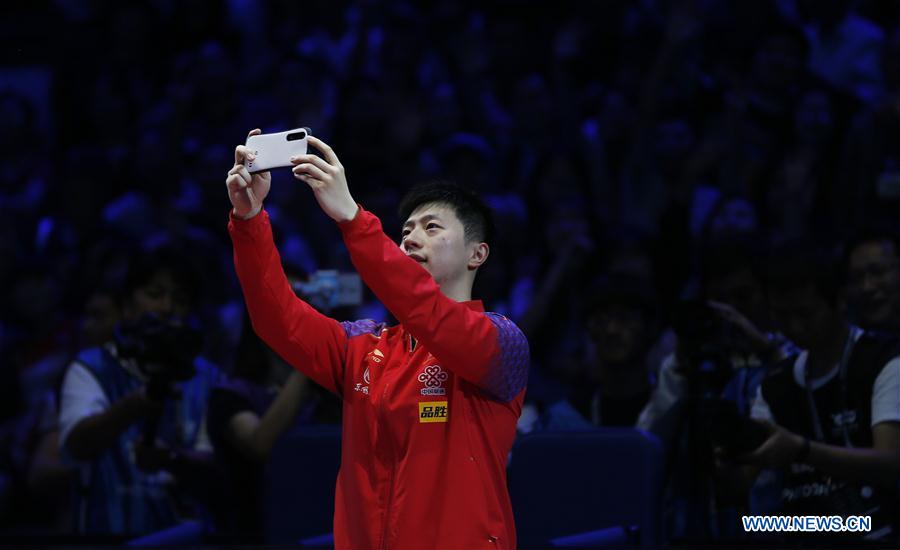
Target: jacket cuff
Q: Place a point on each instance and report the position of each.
(248, 228)
(360, 224)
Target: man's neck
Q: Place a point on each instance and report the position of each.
(825, 356)
(460, 290)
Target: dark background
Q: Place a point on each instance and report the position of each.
(609, 136)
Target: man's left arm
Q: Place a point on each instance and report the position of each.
(879, 463)
(485, 349)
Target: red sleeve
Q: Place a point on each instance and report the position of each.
(312, 343)
(467, 342)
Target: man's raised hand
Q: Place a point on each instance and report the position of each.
(327, 179)
(246, 191)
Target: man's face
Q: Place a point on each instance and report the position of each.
(161, 296)
(618, 331)
(874, 282)
(434, 237)
(803, 315)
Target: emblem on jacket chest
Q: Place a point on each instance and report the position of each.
(375, 356)
(433, 377)
(360, 387)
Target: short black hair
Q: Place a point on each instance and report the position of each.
(476, 216)
(143, 265)
(876, 232)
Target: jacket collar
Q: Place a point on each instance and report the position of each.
(474, 305)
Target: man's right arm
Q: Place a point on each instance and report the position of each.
(657, 415)
(255, 436)
(309, 341)
(760, 412)
(89, 424)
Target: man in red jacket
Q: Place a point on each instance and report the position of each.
(430, 405)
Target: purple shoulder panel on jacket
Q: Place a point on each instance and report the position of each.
(363, 326)
(508, 373)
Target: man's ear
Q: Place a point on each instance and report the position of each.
(479, 255)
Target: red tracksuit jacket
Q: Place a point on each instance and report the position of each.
(429, 406)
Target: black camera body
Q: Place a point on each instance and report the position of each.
(164, 349)
(727, 428)
(704, 345)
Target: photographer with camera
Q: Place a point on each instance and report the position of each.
(249, 410)
(132, 410)
(706, 388)
(612, 383)
(723, 347)
(833, 412)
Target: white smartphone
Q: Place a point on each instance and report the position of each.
(275, 150)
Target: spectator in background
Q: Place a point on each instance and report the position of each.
(677, 101)
(870, 168)
(37, 362)
(725, 348)
(872, 269)
(10, 404)
(23, 178)
(613, 384)
(801, 196)
(845, 47)
(247, 413)
(49, 478)
(558, 263)
(833, 411)
(132, 411)
(101, 314)
(733, 298)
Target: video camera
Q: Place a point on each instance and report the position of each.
(728, 429)
(327, 289)
(706, 346)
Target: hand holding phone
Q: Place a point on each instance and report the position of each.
(246, 191)
(275, 150)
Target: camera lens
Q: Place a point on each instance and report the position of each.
(296, 136)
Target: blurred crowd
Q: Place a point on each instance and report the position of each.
(642, 158)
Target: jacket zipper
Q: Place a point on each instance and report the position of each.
(387, 512)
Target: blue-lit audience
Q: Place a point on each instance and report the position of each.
(633, 152)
